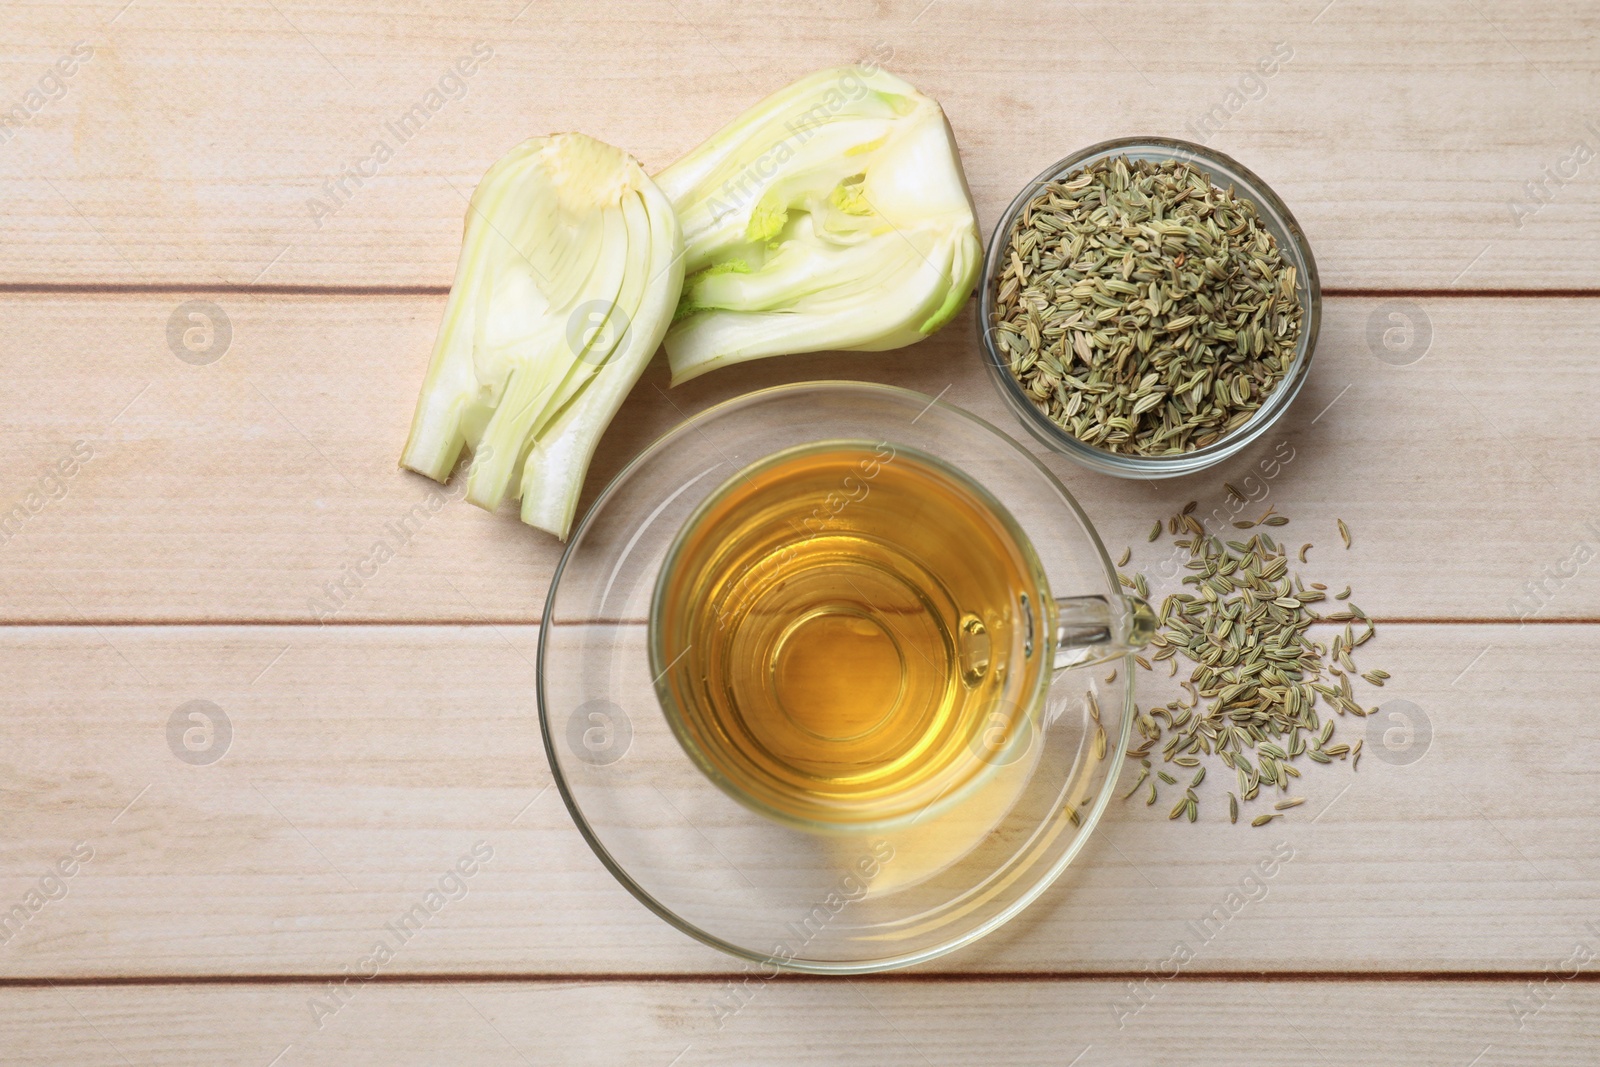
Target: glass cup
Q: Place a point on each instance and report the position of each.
(850, 889)
(853, 634)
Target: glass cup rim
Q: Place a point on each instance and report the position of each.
(659, 666)
(1154, 467)
(1088, 820)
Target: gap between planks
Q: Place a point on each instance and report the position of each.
(176, 288)
(884, 977)
(478, 621)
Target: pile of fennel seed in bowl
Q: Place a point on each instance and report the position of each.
(1263, 691)
(1143, 310)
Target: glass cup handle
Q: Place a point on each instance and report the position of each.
(1094, 629)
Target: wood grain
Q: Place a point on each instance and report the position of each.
(1436, 901)
(237, 491)
(364, 761)
(784, 1022)
(189, 148)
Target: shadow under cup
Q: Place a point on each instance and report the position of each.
(847, 635)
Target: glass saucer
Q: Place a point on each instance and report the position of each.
(769, 892)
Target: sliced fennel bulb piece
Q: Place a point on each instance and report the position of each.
(571, 265)
(832, 215)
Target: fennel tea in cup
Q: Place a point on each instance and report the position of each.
(851, 634)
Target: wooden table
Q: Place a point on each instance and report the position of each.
(1442, 905)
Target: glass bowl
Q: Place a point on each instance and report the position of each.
(1223, 171)
(759, 888)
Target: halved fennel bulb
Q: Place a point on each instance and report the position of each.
(832, 215)
(571, 266)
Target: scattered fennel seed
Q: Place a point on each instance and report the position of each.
(1264, 693)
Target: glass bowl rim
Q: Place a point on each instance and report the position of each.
(1090, 818)
(1152, 467)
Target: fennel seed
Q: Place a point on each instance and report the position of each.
(1264, 692)
(1144, 310)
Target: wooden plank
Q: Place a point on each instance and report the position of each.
(363, 762)
(239, 490)
(782, 1021)
(190, 145)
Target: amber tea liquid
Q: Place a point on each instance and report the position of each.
(848, 634)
